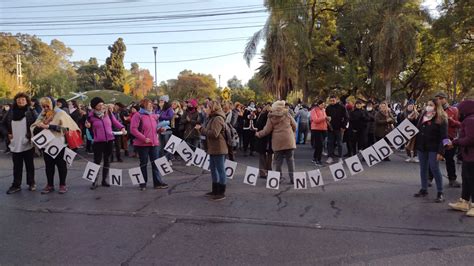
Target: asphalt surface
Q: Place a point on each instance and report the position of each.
(371, 218)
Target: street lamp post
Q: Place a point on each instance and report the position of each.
(155, 48)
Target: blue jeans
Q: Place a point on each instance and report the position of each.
(217, 166)
(334, 137)
(428, 161)
(145, 153)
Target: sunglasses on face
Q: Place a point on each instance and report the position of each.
(45, 106)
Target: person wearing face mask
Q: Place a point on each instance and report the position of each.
(384, 122)
(17, 122)
(412, 115)
(465, 142)
(188, 121)
(430, 145)
(371, 124)
(58, 122)
(453, 126)
(101, 122)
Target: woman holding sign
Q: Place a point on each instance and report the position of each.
(216, 148)
(17, 123)
(430, 142)
(101, 122)
(144, 127)
(58, 122)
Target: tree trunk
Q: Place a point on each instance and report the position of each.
(306, 92)
(388, 90)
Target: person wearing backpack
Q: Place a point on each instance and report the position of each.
(216, 148)
(144, 128)
(282, 127)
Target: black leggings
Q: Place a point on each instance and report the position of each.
(467, 180)
(50, 165)
(103, 150)
(317, 138)
(19, 158)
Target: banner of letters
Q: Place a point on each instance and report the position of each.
(198, 158)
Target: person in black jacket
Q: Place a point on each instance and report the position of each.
(371, 124)
(338, 118)
(358, 120)
(264, 145)
(17, 122)
(430, 142)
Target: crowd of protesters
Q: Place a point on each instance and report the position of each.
(226, 129)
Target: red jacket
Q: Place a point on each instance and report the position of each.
(453, 121)
(318, 119)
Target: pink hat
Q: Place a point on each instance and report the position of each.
(193, 102)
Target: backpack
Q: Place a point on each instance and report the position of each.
(230, 135)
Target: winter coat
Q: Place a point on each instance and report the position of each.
(359, 120)
(188, 121)
(431, 135)
(371, 123)
(282, 126)
(30, 116)
(102, 128)
(466, 133)
(263, 145)
(143, 126)
(339, 116)
(303, 116)
(383, 124)
(165, 114)
(214, 132)
(59, 124)
(453, 121)
(318, 119)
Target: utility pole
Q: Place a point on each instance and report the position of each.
(220, 81)
(19, 75)
(156, 82)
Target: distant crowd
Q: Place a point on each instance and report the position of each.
(111, 131)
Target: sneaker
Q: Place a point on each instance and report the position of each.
(470, 212)
(430, 183)
(47, 189)
(421, 193)
(94, 186)
(460, 205)
(105, 184)
(62, 189)
(120, 160)
(415, 160)
(439, 197)
(12, 190)
(142, 188)
(329, 160)
(325, 153)
(409, 160)
(454, 184)
(32, 188)
(161, 186)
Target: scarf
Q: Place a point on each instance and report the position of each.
(144, 112)
(18, 113)
(428, 116)
(99, 114)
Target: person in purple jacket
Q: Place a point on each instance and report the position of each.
(165, 114)
(465, 141)
(101, 122)
(144, 128)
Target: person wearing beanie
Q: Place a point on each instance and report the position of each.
(101, 122)
(188, 122)
(58, 122)
(282, 127)
(17, 122)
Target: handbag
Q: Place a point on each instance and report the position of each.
(73, 139)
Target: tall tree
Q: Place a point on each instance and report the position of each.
(234, 83)
(114, 68)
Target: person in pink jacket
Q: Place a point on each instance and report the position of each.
(101, 122)
(143, 127)
(319, 128)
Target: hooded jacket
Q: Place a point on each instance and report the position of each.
(214, 132)
(282, 126)
(466, 133)
(102, 127)
(143, 126)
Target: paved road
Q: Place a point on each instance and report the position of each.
(370, 218)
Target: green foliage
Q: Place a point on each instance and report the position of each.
(234, 83)
(114, 68)
(190, 85)
(243, 95)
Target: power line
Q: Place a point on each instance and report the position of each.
(140, 18)
(73, 4)
(171, 42)
(180, 61)
(146, 32)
